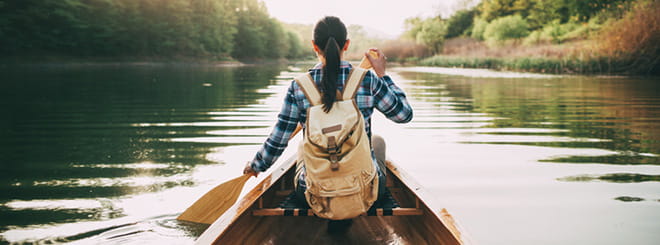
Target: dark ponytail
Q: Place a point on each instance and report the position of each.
(330, 34)
(330, 73)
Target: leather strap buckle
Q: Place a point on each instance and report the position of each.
(334, 162)
(333, 150)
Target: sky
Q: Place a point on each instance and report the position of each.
(375, 15)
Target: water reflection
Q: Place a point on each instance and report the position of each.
(538, 153)
(85, 143)
(626, 157)
(614, 178)
(617, 114)
(113, 154)
(629, 199)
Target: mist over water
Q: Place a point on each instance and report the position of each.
(93, 154)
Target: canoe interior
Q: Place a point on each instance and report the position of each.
(421, 229)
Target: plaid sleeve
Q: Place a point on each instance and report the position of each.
(390, 99)
(278, 140)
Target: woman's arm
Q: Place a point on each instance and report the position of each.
(389, 98)
(287, 121)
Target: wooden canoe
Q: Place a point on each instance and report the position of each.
(256, 218)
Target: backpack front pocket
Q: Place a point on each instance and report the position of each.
(341, 198)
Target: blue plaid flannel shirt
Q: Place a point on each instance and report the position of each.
(374, 92)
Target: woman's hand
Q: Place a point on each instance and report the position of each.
(248, 170)
(377, 63)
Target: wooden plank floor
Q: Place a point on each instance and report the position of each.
(313, 230)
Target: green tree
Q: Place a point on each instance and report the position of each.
(276, 42)
(492, 9)
(557, 32)
(295, 45)
(544, 11)
(478, 28)
(458, 23)
(505, 28)
(412, 27)
(432, 34)
(27, 28)
(215, 26)
(177, 34)
(584, 10)
(4, 21)
(252, 40)
(304, 33)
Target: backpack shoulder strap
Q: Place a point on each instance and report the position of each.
(353, 83)
(308, 87)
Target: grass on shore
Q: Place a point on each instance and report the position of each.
(600, 65)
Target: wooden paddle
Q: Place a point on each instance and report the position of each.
(215, 202)
(365, 63)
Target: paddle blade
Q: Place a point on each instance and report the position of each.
(214, 203)
(365, 63)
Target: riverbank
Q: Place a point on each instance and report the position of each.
(576, 57)
(563, 37)
(601, 65)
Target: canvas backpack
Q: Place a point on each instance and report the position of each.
(341, 179)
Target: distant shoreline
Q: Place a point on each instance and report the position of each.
(55, 61)
(120, 63)
(539, 65)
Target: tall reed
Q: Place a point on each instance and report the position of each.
(634, 41)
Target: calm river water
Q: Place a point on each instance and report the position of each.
(92, 154)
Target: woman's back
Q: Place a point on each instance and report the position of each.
(374, 92)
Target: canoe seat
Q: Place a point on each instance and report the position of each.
(291, 206)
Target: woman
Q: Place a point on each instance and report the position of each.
(376, 91)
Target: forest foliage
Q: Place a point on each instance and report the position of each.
(496, 21)
(221, 29)
(621, 31)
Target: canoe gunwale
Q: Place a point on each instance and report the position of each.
(426, 200)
